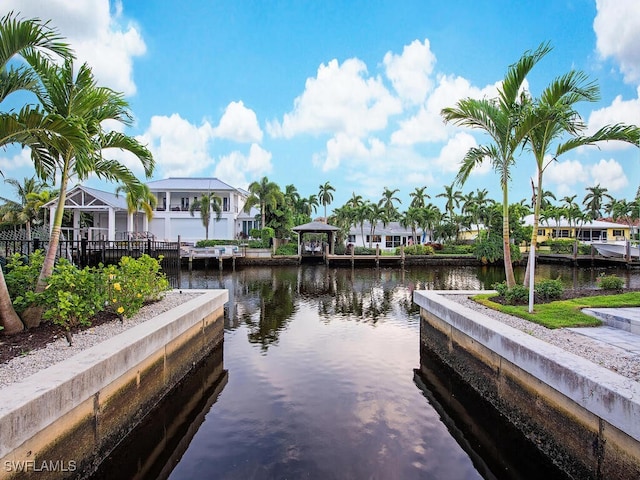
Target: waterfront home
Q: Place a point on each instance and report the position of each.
(587, 232)
(385, 237)
(100, 215)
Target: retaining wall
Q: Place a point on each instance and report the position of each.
(582, 416)
(62, 421)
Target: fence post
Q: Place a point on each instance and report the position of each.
(83, 252)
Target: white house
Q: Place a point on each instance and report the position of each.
(387, 237)
(103, 215)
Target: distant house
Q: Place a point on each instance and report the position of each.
(387, 237)
(103, 215)
(594, 231)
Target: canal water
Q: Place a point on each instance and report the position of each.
(317, 379)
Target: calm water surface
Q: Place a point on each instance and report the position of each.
(320, 384)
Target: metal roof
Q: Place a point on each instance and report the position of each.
(109, 199)
(564, 223)
(315, 227)
(184, 183)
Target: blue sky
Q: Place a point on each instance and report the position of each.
(347, 92)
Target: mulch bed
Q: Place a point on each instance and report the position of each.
(36, 338)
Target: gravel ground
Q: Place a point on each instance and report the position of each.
(21, 367)
(616, 359)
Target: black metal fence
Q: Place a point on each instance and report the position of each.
(93, 252)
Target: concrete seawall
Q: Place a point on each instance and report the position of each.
(582, 416)
(62, 421)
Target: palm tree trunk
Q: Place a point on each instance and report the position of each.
(534, 233)
(508, 266)
(9, 319)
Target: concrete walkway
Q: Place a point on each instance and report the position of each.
(621, 327)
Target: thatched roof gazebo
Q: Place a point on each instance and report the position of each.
(316, 227)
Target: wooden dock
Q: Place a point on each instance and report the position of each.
(219, 253)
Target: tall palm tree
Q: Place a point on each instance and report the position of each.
(77, 99)
(418, 196)
(453, 198)
(139, 197)
(555, 116)
(27, 38)
(207, 204)
(325, 196)
(504, 121)
(263, 193)
(388, 203)
(594, 200)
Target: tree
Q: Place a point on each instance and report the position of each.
(594, 200)
(263, 193)
(453, 198)
(504, 120)
(28, 38)
(139, 197)
(388, 203)
(22, 211)
(418, 196)
(76, 98)
(207, 204)
(325, 196)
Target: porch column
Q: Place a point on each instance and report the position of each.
(111, 236)
(130, 227)
(76, 225)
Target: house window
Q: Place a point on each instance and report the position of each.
(618, 233)
(374, 239)
(541, 232)
(393, 241)
(561, 233)
(225, 204)
(184, 203)
(351, 239)
(247, 226)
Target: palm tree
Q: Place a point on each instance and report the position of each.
(77, 100)
(139, 197)
(264, 193)
(387, 203)
(206, 204)
(594, 200)
(504, 121)
(309, 205)
(453, 198)
(22, 211)
(325, 196)
(555, 116)
(27, 38)
(417, 197)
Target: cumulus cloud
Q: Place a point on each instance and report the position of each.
(99, 36)
(239, 123)
(239, 169)
(410, 72)
(620, 111)
(454, 151)
(563, 176)
(341, 98)
(617, 28)
(179, 147)
(427, 124)
(609, 174)
(20, 160)
(342, 146)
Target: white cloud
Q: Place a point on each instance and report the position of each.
(562, 176)
(617, 28)
(341, 98)
(19, 160)
(95, 33)
(179, 148)
(409, 73)
(609, 174)
(239, 123)
(620, 111)
(453, 152)
(344, 147)
(239, 170)
(427, 125)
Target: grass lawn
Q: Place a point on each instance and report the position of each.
(564, 313)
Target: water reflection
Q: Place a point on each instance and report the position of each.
(321, 381)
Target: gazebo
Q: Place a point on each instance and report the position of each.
(315, 227)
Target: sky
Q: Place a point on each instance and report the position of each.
(345, 92)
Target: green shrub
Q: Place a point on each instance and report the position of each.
(287, 249)
(488, 247)
(416, 249)
(364, 251)
(214, 243)
(517, 294)
(457, 249)
(72, 296)
(21, 277)
(549, 289)
(500, 287)
(132, 283)
(610, 282)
